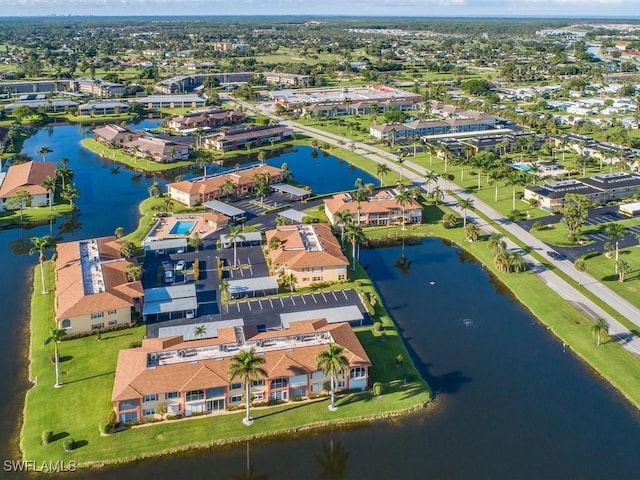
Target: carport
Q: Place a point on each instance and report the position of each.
(160, 247)
(225, 209)
(248, 238)
(294, 192)
(349, 314)
(165, 303)
(293, 215)
(188, 332)
(253, 287)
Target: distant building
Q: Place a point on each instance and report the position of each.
(29, 177)
(189, 83)
(380, 208)
(171, 101)
(214, 117)
(99, 88)
(103, 107)
(292, 79)
(93, 290)
(158, 149)
(191, 377)
(310, 252)
(256, 136)
(115, 135)
(54, 105)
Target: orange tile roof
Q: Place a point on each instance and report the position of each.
(381, 202)
(133, 379)
(27, 176)
(293, 254)
(71, 300)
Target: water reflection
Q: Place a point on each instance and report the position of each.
(250, 472)
(332, 461)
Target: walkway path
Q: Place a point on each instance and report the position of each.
(570, 293)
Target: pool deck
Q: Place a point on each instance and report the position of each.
(164, 226)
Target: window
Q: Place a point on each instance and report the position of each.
(279, 383)
(97, 315)
(317, 269)
(148, 411)
(258, 396)
(316, 387)
(342, 276)
(66, 323)
(128, 417)
(316, 279)
(113, 322)
(305, 269)
(257, 383)
(97, 326)
(195, 395)
(279, 395)
(128, 405)
(340, 384)
(319, 375)
(236, 398)
(236, 386)
(215, 392)
(150, 398)
(112, 312)
(171, 395)
(358, 372)
(299, 392)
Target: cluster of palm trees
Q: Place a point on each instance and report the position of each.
(351, 231)
(63, 179)
(247, 366)
(504, 260)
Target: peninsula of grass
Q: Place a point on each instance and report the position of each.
(34, 215)
(88, 367)
(141, 164)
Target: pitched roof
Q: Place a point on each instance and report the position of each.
(381, 202)
(27, 176)
(306, 246)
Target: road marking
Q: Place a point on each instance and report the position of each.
(260, 303)
(238, 305)
(249, 305)
(271, 303)
(314, 298)
(345, 294)
(293, 301)
(325, 298)
(334, 296)
(302, 297)
(282, 302)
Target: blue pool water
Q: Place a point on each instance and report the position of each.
(182, 228)
(521, 166)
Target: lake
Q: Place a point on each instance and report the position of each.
(511, 401)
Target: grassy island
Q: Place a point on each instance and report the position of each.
(34, 215)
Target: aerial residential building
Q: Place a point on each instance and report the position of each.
(190, 377)
(288, 79)
(99, 88)
(421, 128)
(54, 105)
(310, 252)
(158, 149)
(189, 83)
(206, 119)
(253, 136)
(113, 135)
(103, 107)
(171, 101)
(195, 192)
(380, 208)
(29, 177)
(93, 290)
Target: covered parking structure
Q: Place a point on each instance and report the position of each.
(166, 303)
(293, 215)
(293, 191)
(225, 209)
(247, 238)
(160, 247)
(349, 313)
(252, 287)
(188, 332)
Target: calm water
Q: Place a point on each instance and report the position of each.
(511, 403)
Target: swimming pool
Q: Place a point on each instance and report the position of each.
(521, 166)
(182, 227)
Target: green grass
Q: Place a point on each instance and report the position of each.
(603, 269)
(88, 368)
(557, 234)
(116, 155)
(148, 208)
(34, 215)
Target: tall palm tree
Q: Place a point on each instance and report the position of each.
(228, 187)
(581, 266)
(70, 193)
(615, 232)
(429, 178)
(343, 218)
(261, 191)
(235, 235)
(436, 194)
(623, 269)
(515, 180)
(56, 335)
(402, 200)
(261, 157)
(39, 245)
(49, 184)
(200, 331)
(599, 329)
(354, 234)
(64, 173)
(359, 196)
(464, 204)
(381, 170)
(246, 365)
(400, 161)
(496, 243)
(332, 362)
(44, 150)
(154, 190)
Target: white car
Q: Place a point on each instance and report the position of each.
(180, 265)
(168, 276)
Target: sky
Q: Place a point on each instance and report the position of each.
(452, 8)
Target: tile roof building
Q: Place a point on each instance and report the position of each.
(190, 377)
(381, 208)
(214, 117)
(309, 252)
(28, 177)
(157, 149)
(113, 134)
(194, 192)
(240, 137)
(93, 290)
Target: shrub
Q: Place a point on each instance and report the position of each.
(377, 327)
(377, 389)
(135, 344)
(537, 225)
(47, 436)
(103, 428)
(174, 416)
(69, 444)
(161, 409)
(111, 419)
(449, 220)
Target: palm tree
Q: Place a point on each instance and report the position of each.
(615, 232)
(599, 329)
(496, 243)
(154, 190)
(261, 191)
(40, 244)
(228, 187)
(472, 232)
(200, 331)
(623, 269)
(50, 185)
(446, 155)
(70, 193)
(64, 173)
(20, 200)
(465, 204)
(515, 180)
(246, 365)
(516, 263)
(381, 170)
(359, 196)
(436, 194)
(402, 200)
(332, 362)
(400, 161)
(343, 218)
(134, 272)
(354, 234)
(430, 177)
(261, 157)
(581, 266)
(235, 235)
(224, 288)
(55, 336)
(44, 151)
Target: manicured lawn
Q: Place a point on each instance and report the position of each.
(150, 207)
(139, 164)
(34, 215)
(602, 268)
(556, 233)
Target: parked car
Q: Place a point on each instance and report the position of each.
(168, 276)
(180, 265)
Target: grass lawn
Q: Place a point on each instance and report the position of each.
(603, 269)
(148, 208)
(556, 233)
(88, 366)
(34, 215)
(139, 164)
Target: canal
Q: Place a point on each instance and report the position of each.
(511, 401)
